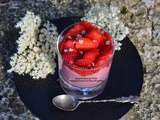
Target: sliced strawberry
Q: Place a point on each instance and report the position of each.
(86, 43)
(95, 35)
(61, 47)
(107, 45)
(108, 39)
(91, 54)
(78, 28)
(87, 25)
(83, 62)
(108, 36)
(88, 58)
(69, 57)
(73, 50)
(69, 44)
(106, 50)
(102, 60)
(106, 54)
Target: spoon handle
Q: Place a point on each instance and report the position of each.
(130, 99)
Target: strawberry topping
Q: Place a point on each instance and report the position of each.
(78, 28)
(88, 58)
(86, 43)
(91, 55)
(108, 36)
(87, 25)
(86, 46)
(69, 57)
(69, 44)
(95, 35)
(83, 62)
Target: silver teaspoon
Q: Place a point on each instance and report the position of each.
(70, 103)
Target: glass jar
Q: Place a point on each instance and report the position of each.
(84, 83)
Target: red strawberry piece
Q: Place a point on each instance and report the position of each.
(108, 36)
(88, 58)
(108, 39)
(107, 43)
(66, 50)
(69, 57)
(103, 59)
(95, 35)
(83, 62)
(78, 36)
(86, 43)
(106, 50)
(78, 28)
(91, 54)
(87, 25)
(69, 44)
(73, 50)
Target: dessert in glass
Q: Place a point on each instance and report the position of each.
(85, 53)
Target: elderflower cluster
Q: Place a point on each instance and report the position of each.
(107, 17)
(36, 48)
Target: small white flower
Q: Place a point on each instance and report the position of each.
(107, 42)
(93, 64)
(81, 41)
(36, 48)
(95, 41)
(69, 37)
(70, 50)
(65, 50)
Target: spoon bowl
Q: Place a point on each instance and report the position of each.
(65, 102)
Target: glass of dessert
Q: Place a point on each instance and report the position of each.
(85, 53)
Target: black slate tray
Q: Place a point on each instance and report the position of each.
(126, 78)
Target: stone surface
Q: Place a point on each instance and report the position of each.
(143, 20)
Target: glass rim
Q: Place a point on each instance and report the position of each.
(60, 36)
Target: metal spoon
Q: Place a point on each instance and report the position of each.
(70, 103)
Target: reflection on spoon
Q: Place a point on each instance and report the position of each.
(70, 103)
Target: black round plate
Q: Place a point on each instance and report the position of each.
(126, 78)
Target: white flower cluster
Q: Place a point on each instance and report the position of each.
(107, 16)
(36, 48)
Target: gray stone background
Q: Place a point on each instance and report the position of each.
(141, 16)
